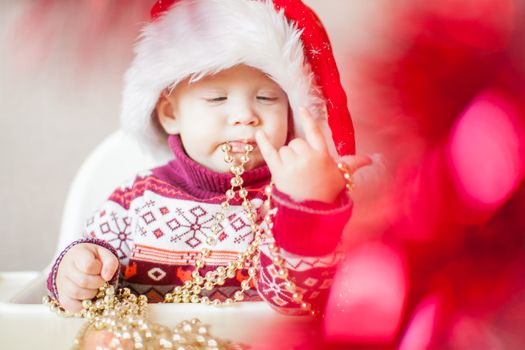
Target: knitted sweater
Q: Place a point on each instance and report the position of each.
(158, 223)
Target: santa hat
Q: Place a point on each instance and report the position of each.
(195, 38)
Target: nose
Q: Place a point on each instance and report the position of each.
(244, 114)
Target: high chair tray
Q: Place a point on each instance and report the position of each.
(25, 323)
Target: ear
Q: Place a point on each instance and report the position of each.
(165, 109)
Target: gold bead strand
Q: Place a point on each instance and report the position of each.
(348, 176)
(190, 291)
(55, 307)
(277, 260)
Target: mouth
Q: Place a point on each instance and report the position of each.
(239, 146)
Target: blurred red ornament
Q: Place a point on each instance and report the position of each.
(368, 296)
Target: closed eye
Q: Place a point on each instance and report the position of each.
(266, 98)
(216, 99)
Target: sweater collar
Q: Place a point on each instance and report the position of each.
(201, 181)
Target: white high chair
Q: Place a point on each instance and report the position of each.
(116, 159)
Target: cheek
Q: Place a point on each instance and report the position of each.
(201, 126)
(281, 127)
(199, 139)
(283, 134)
(195, 138)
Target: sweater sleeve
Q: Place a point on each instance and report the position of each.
(308, 235)
(108, 227)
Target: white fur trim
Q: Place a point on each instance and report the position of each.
(201, 37)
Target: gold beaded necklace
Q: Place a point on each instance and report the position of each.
(122, 312)
(190, 291)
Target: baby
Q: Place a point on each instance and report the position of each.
(229, 84)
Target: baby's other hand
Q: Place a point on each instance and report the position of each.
(304, 169)
(83, 269)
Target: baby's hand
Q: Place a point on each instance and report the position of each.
(83, 269)
(304, 169)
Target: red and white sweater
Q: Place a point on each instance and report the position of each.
(158, 223)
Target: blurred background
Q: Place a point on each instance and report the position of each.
(436, 246)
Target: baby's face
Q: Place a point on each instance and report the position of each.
(229, 106)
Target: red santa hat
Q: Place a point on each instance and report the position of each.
(194, 38)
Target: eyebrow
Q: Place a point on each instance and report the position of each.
(211, 90)
(271, 89)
